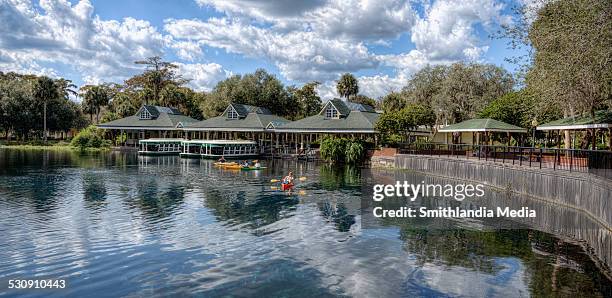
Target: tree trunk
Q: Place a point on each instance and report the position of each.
(45, 122)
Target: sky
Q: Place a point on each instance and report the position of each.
(382, 42)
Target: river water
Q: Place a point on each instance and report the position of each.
(116, 224)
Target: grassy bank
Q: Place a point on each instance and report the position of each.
(60, 146)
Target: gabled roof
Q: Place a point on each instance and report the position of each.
(252, 122)
(482, 125)
(276, 123)
(603, 119)
(156, 110)
(243, 110)
(162, 118)
(344, 108)
(355, 121)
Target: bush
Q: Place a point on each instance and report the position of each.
(341, 150)
(90, 137)
(354, 152)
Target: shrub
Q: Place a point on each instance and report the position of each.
(340, 150)
(354, 152)
(90, 137)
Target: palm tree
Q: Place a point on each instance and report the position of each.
(45, 90)
(65, 88)
(94, 98)
(347, 86)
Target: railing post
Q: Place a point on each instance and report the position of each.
(530, 155)
(541, 157)
(556, 156)
(571, 160)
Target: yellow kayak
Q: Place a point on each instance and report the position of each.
(225, 164)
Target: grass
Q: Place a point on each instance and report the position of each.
(51, 146)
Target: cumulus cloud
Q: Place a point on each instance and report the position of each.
(203, 77)
(304, 40)
(299, 55)
(60, 32)
(447, 30)
(353, 19)
(263, 9)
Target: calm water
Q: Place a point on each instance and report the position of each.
(115, 224)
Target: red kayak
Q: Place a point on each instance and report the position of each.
(286, 186)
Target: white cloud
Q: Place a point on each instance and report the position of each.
(447, 30)
(61, 33)
(299, 55)
(304, 40)
(379, 85)
(263, 9)
(203, 77)
(353, 19)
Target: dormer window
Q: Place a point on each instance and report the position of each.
(145, 115)
(331, 112)
(231, 114)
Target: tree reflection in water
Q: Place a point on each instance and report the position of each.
(338, 214)
(551, 263)
(242, 207)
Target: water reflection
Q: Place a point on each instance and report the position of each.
(124, 225)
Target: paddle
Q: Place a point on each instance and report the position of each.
(278, 180)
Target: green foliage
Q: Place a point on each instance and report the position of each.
(95, 97)
(22, 99)
(459, 91)
(406, 119)
(90, 137)
(571, 64)
(333, 149)
(258, 89)
(308, 100)
(393, 101)
(362, 99)
(342, 150)
(354, 152)
(347, 86)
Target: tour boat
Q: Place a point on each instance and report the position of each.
(160, 146)
(229, 149)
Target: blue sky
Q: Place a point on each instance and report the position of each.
(382, 42)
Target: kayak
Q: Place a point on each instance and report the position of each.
(233, 167)
(225, 164)
(252, 168)
(286, 186)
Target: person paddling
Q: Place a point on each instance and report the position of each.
(287, 182)
(222, 159)
(288, 179)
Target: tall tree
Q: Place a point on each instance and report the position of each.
(393, 101)
(45, 91)
(347, 86)
(459, 91)
(258, 89)
(362, 99)
(573, 57)
(95, 97)
(307, 99)
(157, 75)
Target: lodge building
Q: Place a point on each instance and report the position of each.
(272, 133)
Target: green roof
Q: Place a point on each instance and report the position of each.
(482, 125)
(243, 110)
(162, 118)
(252, 122)
(355, 121)
(603, 119)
